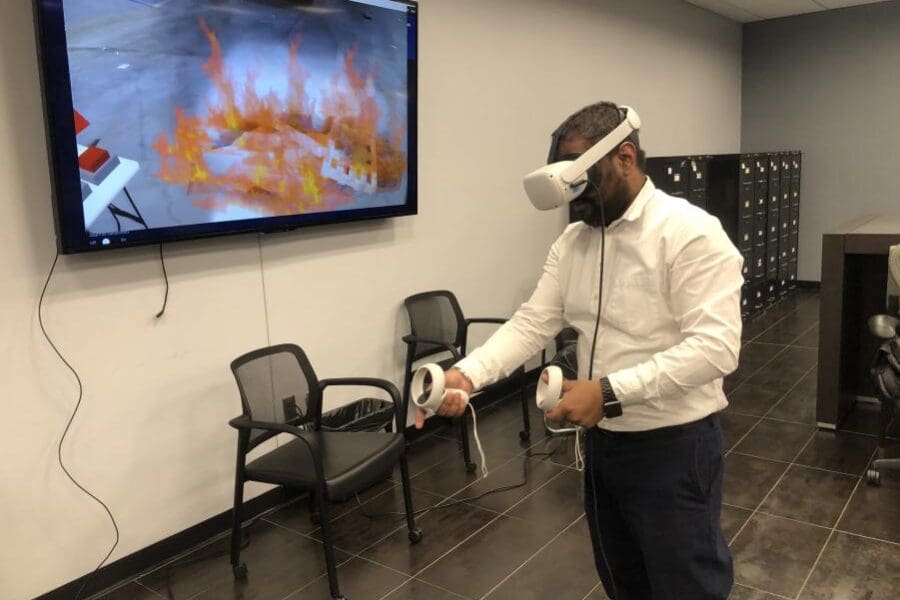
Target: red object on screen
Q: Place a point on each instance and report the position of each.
(80, 123)
(92, 159)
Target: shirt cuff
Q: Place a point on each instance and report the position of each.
(627, 387)
(472, 368)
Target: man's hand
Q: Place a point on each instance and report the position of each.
(453, 405)
(581, 404)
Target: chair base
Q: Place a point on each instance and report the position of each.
(240, 572)
(873, 475)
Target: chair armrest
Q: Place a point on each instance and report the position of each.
(246, 424)
(412, 339)
(493, 320)
(383, 384)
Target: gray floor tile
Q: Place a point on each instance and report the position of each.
(791, 327)
(748, 479)
(785, 371)
(443, 529)
(734, 426)
(557, 504)
(598, 594)
(563, 569)
(775, 439)
(752, 357)
(279, 562)
(874, 511)
(810, 338)
(355, 531)
(776, 554)
(853, 567)
(132, 591)
(416, 589)
(740, 592)
(296, 516)
(358, 579)
(799, 404)
(533, 472)
(733, 518)
(476, 566)
(838, 451)
(752, 399)
(810, 495)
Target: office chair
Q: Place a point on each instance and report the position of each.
(437, 326)
(280, 393)
(885, 370)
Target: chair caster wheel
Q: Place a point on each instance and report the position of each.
(873, 477)
(240, 572)
(524, 435)
(316, 518)
(415, 536)
(470, 467)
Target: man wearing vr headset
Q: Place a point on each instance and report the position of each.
(652, 285)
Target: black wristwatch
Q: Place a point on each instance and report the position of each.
(612, 407)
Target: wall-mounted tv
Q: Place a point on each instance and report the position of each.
(176, 119)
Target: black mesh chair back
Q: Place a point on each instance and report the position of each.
(435, 316)
(277, 385)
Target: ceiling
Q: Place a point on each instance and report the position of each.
(746, 11)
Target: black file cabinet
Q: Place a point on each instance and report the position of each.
(756, 198)
(670, 174)
(681, 176)
(794, 235)
(698, 176)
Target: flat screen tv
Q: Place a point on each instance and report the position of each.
(176, 119)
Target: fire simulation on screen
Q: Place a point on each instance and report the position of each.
(208, 111)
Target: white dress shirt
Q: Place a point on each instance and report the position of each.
(670, 323)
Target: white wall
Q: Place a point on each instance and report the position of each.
(151, 438)
(828, 84)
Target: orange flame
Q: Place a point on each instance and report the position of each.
(275, 161)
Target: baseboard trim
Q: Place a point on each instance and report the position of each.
(145, 560)
(809, 285)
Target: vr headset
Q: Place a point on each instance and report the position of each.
(559, 183)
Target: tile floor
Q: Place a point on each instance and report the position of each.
(801, 521)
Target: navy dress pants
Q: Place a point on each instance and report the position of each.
(652, 500)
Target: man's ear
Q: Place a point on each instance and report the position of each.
(627, 155)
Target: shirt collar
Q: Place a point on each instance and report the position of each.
(636, 209)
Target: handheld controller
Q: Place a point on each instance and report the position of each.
(549, 392)
(430, 398)
(428, 389)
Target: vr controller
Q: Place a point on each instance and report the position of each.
(429, 387)
(549, 392)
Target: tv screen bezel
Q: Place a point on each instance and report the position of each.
(71, 236)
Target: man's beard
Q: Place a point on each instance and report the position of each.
(596, 212)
